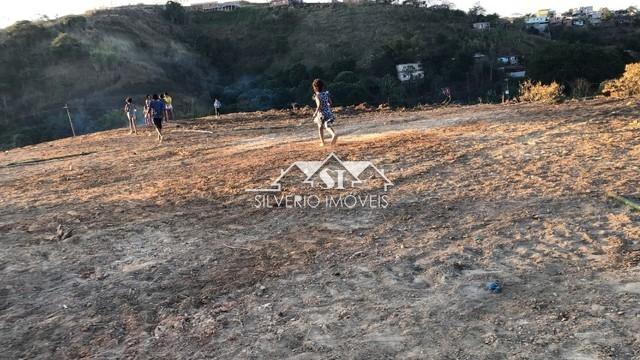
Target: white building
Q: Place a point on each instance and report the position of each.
(418, 3)
(587, 15)
(276, 3)
(481, 25)
(216, 6)
(508, 60)
(410, 71)
(540, 20)
(517, 74)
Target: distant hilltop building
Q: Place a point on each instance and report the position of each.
(481, 25)
(511, 66)
(277, 3)
(216, 6)
(540, 20)
(586, 14)
(410, 71)
(417, 3)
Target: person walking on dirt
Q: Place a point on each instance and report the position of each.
(157, 109)
(216, 106)
(130, 110)
(147, 110)
(323, 116)
(168, 103)
(446, 92)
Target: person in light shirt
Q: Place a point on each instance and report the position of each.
(168, 103)
(130, 110)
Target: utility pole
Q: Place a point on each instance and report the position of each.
(193, 108)
(73, 131)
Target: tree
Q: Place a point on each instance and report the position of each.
(175, 12)
(382, 62)
(565, 63)
(476, 11)
(297, 74)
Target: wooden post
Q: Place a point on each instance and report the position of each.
(73, 131)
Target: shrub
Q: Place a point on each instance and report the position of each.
(347, 94)
(26, 33)
(627, 85)
(74, 22)
(347, 77)
(538, 92)
(342, 65)
(104, 59)
(66, 45)
(580, 88)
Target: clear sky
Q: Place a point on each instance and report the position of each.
(14, 10)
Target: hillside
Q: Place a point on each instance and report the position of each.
(258, 58)
(115, 246)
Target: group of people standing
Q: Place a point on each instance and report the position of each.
(157, 108)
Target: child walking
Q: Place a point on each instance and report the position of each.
(168, 103)
(147, 110)
(323, 116)
(130, 111)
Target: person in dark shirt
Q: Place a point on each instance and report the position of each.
(157, 109)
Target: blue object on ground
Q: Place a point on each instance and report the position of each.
(494, 286)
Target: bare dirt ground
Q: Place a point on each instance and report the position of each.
(167, 258)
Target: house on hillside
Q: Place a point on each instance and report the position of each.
(479, 58)
(277, 3)
(539, 23)
(508, 60)
(511, 66)
(516, 74)
(540, 20)
(624, 17)
(216, 6)
(416, 3)
(631, 11)
(481, 25)
(411, 71)
(586, 14)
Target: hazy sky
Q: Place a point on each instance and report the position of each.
(33, 9)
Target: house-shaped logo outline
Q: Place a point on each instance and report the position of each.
(310, 168)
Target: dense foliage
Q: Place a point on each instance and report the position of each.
(627, 85)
